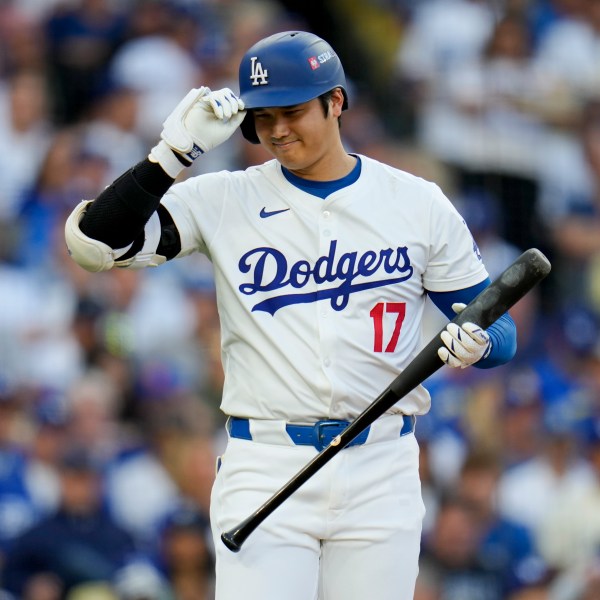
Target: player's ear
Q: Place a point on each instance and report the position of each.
(337, 102)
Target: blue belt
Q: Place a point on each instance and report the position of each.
(318, 435)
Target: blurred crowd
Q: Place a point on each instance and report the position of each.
(110, 383)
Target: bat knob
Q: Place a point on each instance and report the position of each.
(228, 539)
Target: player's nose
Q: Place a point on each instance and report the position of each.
(280, 128)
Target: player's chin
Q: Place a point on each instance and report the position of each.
(290, 155)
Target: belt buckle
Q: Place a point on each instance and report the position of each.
(325, 431)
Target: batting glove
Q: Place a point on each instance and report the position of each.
(464, 344)
(201, 121)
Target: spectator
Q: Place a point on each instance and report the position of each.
(79, 543)
(580, 583)
(450, 567)
(17, 508)
(49, 439)
(93, 402)
(484, 119)
(440, 35)
(570, 48)
(65, 175)
(23, 45)
(528, 492)
(570, 205)
(569, 535)
(81, 39)
(464, 413)
(505, 546)
(110, 130)
(159, 65)
(185, 556)
(543, 14)
(25, 133)
(138, 326)
(140, 580)
(35, 347)
(521, 416)
(87, 331)
(173, 461)
(141, 468)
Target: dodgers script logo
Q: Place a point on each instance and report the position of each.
(270, 271)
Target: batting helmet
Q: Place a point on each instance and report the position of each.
(286, 69)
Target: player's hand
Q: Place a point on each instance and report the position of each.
(463, 345)
(200, 122)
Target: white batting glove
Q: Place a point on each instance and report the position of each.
(464, 345)
(200, 122)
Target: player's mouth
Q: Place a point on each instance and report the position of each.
(283, 145)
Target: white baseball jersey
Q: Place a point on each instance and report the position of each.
(321, 301)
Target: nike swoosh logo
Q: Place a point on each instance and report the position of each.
(264, 213)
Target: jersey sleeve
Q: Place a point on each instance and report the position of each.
(454, 259)
(196, 207)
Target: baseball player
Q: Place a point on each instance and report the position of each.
(322, 263)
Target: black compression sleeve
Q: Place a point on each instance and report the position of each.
(118, 215)
(170, 242)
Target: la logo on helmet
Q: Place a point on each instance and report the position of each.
(258, 75)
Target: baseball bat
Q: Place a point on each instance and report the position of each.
(491, 303)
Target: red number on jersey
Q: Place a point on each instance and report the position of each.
(377, 314)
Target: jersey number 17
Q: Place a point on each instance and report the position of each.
(377, 314)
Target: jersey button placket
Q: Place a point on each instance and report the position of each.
(325, 229)
(326, 314)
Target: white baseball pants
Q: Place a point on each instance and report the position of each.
(350, 532)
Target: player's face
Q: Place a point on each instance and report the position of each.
(302, 138)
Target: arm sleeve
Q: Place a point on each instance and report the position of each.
(119, 214)
(503, 332)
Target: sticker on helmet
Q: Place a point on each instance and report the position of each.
(313, 62)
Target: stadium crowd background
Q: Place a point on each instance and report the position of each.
(110, 383)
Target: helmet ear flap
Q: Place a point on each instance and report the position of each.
(248, 128)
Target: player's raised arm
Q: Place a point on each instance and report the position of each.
(125, 226)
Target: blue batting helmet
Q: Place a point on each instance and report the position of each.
(286, 69)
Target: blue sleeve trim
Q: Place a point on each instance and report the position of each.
(503, 332)
(445, 300)
(504, 343)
